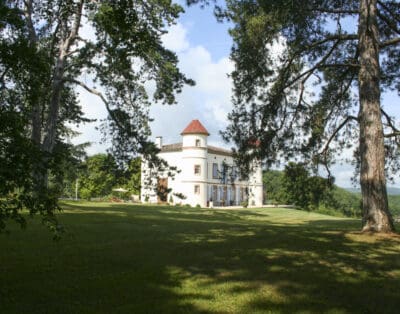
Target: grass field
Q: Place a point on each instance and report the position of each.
(140, 259)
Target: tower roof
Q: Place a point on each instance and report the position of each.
(195, 127)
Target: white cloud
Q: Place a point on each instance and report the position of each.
(209, 101)
(175, 39)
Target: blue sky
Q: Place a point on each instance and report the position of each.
(203, 46)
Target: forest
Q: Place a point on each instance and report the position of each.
(294, 185)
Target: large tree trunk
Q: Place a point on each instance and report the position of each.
(35, 103)
(376, 216)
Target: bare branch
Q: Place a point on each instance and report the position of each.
(341, 125)
(72, 52)
(390, 42)
(320, 65)
(393, 134)
(389, 23)
(28, 16)
(75, 28)
(390, 122)
(387, 9)
(335, 11)
(101, 96)
(90, 90)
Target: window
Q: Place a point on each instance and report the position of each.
(197, 170)
(198, 143)
(215, 192)
(215, 171)
(197, 189)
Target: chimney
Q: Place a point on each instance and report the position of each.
(159, 142)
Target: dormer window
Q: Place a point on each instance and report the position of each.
(198, 143)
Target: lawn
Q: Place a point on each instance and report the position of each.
(119, 258)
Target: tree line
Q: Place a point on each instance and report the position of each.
(295, 185)
(97, 176)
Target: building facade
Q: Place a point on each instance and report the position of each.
(206, 176)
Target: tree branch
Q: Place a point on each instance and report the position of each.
(390, 124)
(319, 65)
(101, 96)
(393, 134)
(390, 42)
(28, 16)
(75, 28)
(335, 11)
(396, 17)
(389, 23)
(324, 151)
(341, 125)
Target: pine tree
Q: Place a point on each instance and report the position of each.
(347, 53)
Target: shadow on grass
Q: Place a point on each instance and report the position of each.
(183, 260)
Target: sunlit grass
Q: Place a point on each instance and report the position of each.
(120, 258)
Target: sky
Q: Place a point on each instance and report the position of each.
(202, 45)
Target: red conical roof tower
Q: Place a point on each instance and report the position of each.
(195, 127)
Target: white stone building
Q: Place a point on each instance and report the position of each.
(207, 177)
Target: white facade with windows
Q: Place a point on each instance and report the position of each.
(207, 174)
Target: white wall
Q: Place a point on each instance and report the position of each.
(185, 181)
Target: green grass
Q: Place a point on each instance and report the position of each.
(141, 259)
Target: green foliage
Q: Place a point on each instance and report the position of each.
(43, 54)
(99, 177)
(272, 182)
(307, 82)
(295, 186)
(394, 205)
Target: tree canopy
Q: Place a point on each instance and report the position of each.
(49, 49)
(294, 185)
(307, 82)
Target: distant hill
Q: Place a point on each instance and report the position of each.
(390, 190)
(394, 198)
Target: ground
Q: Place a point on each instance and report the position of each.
(118, 258)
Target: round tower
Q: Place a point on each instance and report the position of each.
(256, 184)
(194, 163)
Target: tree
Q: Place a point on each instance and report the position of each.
(68, 166)
(295, 185)
(45, 57)
(272, 183)
(99, 176)
(134, 176)
(281, 49)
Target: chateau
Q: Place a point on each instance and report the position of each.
(207, 175)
